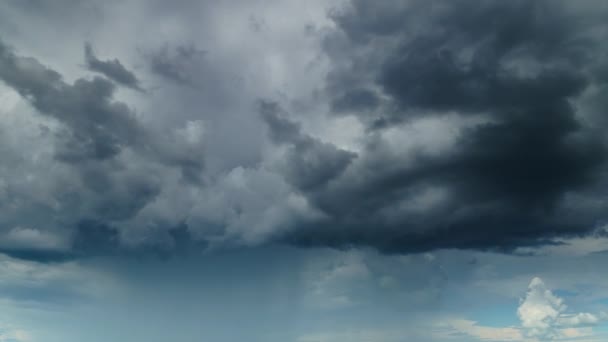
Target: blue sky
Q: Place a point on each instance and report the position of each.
(286, 294)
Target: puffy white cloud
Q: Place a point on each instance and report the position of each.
(484, 333)
(583, 318)
(539, 311)
(543, 315)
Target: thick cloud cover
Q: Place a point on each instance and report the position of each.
(519, 67)
(406, 126)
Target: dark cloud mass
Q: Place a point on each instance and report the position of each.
(309, 163)
(98, 127)
(94, 134)
(520, 65)
(315, 170)
(412, 126)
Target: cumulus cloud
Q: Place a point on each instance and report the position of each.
(540, 310)
(579, 319)
(543, 314)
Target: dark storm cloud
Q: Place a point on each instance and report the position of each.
(310, 163)
(96, 238)
(517, 64)
(112, 69)
(98, 128)
(95, 131)
(464, 55)
(481, 126)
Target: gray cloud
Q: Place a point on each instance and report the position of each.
(449, 125)
(98, 127)
(112, 69)
(176, 64)
(503, 183)
(309, 163)
(103, 145)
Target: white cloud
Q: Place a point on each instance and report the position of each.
(31, 238)
(483, 333)
(583, 318)
(543, 316)
(540, 310)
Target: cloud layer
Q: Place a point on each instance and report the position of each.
(406, 126)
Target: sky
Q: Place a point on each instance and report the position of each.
(303, 171)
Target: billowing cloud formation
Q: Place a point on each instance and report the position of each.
(543, 316)
(98, 127)
(540, 310)
(406, 126)
(310, 163)
(91, 132)
(510, 75)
